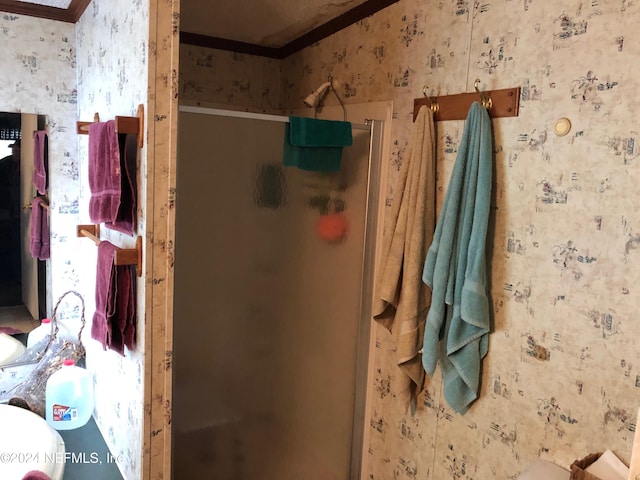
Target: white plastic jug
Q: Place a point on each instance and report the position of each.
(69, 397)
(40, 332)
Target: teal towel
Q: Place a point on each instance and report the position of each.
(458, 322)
(315, 145)
(311, 132)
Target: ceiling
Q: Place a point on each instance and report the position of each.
(49, 3)
(273, 28)
(270, 23)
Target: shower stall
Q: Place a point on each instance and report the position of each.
(273, 286)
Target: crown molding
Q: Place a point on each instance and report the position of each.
(329, 28)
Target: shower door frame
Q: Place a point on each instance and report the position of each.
(372, 217)
(365, 339)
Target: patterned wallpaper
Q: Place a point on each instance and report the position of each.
(562, 377)
(112, 76)
(38, 76)
(68, 72)
(216, 77)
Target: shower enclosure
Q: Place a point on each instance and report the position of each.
(272, 302)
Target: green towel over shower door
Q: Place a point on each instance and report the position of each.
(315, 145)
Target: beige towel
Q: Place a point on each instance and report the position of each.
(402, 299)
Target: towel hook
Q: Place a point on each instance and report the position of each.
(484, 98)
(433, 106)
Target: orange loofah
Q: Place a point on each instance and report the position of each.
(332, 227)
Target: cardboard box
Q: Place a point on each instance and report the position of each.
(578, 468)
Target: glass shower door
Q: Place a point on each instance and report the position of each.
(267, 315)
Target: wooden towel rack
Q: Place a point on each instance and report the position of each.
(132, 125)
(499, 103)
(28, 206)
(124, 256)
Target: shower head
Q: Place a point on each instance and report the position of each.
(314, 97)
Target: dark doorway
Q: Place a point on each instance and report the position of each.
(10, 270)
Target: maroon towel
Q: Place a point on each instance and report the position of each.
(104, 172)
(100, 328)
(39, 243)
(114, 319)
(122, 318)
(36, 475)
(10, 330)
(40, 161)
(125, 221)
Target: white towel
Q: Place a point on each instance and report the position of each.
(402, 299)
(608, 467)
